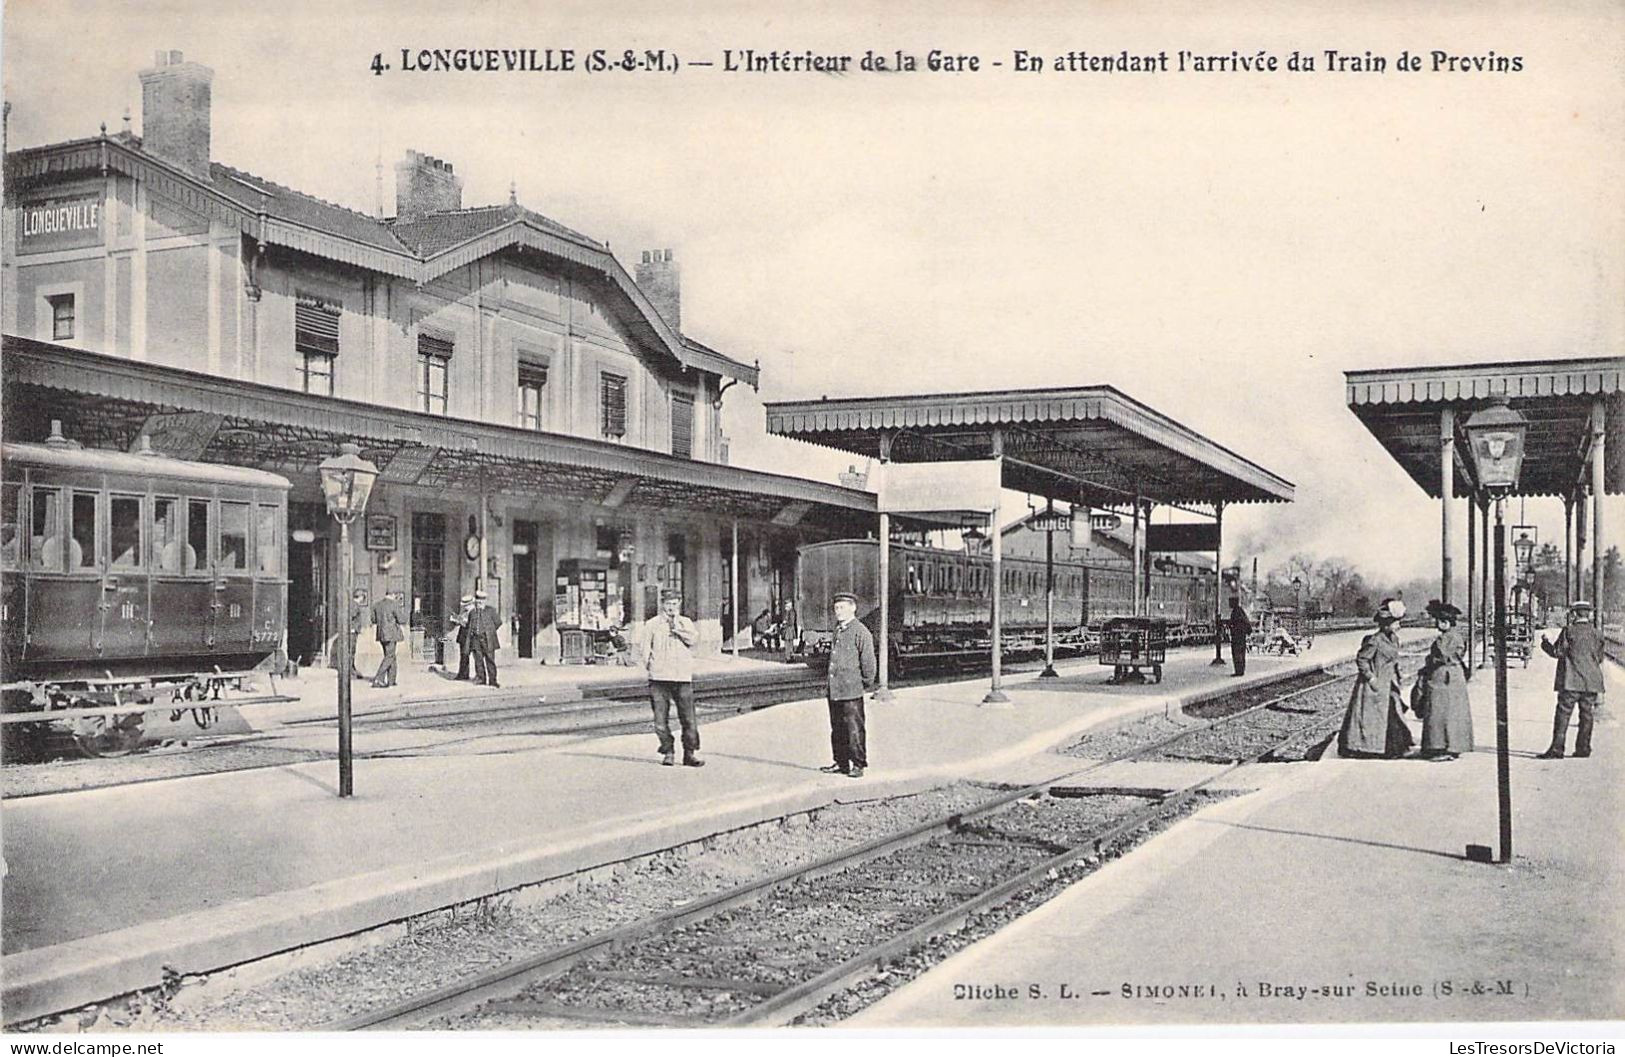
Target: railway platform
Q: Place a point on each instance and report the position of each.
(197, 874)
(317, 688)
(1339, 892)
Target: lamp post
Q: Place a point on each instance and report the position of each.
(1297, 603)
(1496, 435)
(347, 481)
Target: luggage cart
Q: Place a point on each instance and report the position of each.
(1129, 644)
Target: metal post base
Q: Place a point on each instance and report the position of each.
(996, 698)
(1217, 662)
(883, 694)
(1049, 672)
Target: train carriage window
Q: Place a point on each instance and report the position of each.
(82, 552)
(124, 531)
(234, 537)
(197, 532)
(266, 551)
(11, 529)
(170, 551)
(913, 580)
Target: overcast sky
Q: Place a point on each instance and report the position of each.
(1221, 246)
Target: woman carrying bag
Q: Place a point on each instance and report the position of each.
(1372, 726)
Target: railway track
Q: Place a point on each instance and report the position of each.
(605, 711)
(777, 948)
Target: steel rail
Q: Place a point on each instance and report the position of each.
(803, 997)
(514, 977)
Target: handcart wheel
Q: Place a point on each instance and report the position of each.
(1156, 670)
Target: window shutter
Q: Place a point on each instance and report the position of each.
(682, 425)
(613, 391)
(316, 326)
(429, 345)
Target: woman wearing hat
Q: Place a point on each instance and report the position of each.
(1447, 719)
(1373, 726)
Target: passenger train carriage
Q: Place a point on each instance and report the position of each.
(125, 577)
(941, 600)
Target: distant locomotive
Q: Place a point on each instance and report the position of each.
(941, 600)
(124, 576)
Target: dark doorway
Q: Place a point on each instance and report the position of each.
(307, 583)
(429, 573)
(525, 544)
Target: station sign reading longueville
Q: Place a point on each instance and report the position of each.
(60, 224)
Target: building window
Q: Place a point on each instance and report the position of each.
(62, 317)
(316, 342)
(434, 359)
(682, 425)
(612, 393)
(532, 393)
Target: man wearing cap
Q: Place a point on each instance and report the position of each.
(462, 620)
(391, 624)
(482, 636)
(852, 672)
(1578, 650)
(666, 643)
(1240, 628)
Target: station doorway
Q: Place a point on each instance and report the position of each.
(308, 556)
(429, 573)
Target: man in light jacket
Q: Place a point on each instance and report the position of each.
(667, 644)
(852, 673)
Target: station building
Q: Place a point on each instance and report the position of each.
(535, 411)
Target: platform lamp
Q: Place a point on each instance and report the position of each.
(347, 481)
(1496, 435)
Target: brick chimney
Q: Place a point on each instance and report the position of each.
(661, 282)
(424, 185)
(175, 111)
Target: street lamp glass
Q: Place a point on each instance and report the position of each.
(1524, 548)
(1496, 435)
(347, 482)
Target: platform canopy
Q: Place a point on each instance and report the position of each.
(1092, 445)
(107, 402)
(1403, 408)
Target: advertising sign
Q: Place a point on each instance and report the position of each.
(1182, 538)
(60, 224)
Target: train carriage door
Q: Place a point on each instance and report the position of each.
(12, 598)
(124, 585)
(67, 585)
(233, 579)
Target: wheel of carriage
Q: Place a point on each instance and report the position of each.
(1156, 670)
(108, 736)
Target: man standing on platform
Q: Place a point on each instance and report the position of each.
(852, 673)
(1578, 650)
(484, 624)
(1240, 628)
(358, 620)
(463, 621)
(390, 622)
(666, 644)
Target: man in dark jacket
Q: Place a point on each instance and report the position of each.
(1578, 650)
(1240, 628)
(483, 623)
(852, 672)
(358, 620)
(390, 623)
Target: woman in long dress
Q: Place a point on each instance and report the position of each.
(1373, 726)
(1447, 719)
